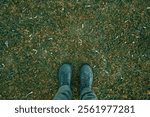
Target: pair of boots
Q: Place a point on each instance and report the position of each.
(86, 79)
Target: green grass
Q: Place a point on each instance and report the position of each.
(36, 36)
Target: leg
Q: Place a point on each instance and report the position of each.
(64, 91)
(86, 80)
(87, 94)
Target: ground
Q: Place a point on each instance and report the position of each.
(37, 36)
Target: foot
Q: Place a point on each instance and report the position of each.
(64, 74)
(86, 77)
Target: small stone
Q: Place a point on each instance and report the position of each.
(106, 72)
(94, 66)
(148, 8)
(63, 9)
(50, 38)
(104, 60)
(6, 43)
(87, 6)
(82, 25)
(126, 21)
(3, 65)
(96, 51)
(30, 18)
(35, 17)
(45, 51)
(122, 78)
(117, 37)
(137, 37)
(30, 35)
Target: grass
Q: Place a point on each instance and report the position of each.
(36, 36)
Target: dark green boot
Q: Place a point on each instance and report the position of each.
(86, 77)
(65, 72)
